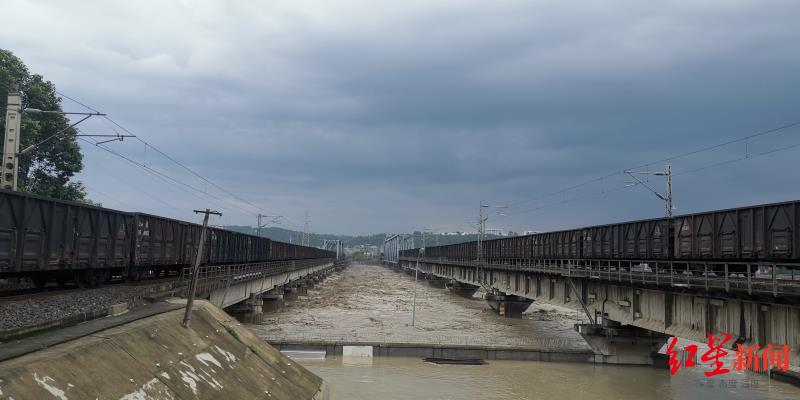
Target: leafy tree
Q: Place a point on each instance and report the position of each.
(47, 170)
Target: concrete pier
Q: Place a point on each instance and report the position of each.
(616, 344)
(508, 305)
(436, 282)
(461, 288)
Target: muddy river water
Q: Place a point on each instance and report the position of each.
(371, 303)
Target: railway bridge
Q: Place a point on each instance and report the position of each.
(633, 307)
(734, 271)
(246, 290)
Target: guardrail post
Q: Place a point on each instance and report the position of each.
(643, 281)
(630, 272)
(688, 276)
(705, 272)
(727, 284)
(749, 280)
(774, 281)
(671, 274)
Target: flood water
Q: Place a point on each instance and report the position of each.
(413, 379)
(371, 303)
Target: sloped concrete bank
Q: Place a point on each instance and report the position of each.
(157, 358)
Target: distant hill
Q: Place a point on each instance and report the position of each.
(316, 239)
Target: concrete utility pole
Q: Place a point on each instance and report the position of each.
(666, 197)
(187, 317)
(307, 223)
(416, 277)
(9, 170)
(669, 191)
(264, 225)
(481, 236)
(10, 167)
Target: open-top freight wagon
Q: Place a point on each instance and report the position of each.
(46, 239)
(767, 233)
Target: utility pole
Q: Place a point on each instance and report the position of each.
(264, 225)
(481, 237)
(307, 222)
(667, 197)
(10, 164)
(9, 170)
(669, 191)
(416, 276)
(187, 317)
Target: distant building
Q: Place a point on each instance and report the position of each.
(531, 232)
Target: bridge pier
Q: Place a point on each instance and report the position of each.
(613, 343)
(272, 301)
(290, 292)
(507, 305)
(249, 311)
(436, 281)
(461, 288)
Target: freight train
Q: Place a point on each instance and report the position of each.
(745, 236)
(52, 240)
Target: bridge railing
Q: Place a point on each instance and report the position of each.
(750, 278)
(213, 277)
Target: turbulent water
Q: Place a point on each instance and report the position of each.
(371, 303)
(409, 378)
(374, 303)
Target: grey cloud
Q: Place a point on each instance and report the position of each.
(393, 116)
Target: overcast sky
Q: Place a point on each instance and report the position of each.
(390, 116)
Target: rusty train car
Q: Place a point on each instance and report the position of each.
(46, 239)
(767, 233)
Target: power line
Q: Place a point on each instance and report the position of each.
(170, 158)
(675, 157)
(76, 101)
(165, 176)
(690, 171)
(141, 190)
(182, 165)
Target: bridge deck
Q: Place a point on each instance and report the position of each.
(760, 278)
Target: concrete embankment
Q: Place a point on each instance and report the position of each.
(419, 350)
(156, 358)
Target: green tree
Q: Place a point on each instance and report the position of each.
(48, 170)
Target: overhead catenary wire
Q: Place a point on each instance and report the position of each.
(184, 166)
(170, 178)
(744, 139)
(139, 189)
(115, 124)
(686, 172)
(161, 176)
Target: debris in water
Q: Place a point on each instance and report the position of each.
(455, 361)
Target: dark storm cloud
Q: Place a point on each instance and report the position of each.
(389, 117)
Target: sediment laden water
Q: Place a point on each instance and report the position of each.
(370, 303)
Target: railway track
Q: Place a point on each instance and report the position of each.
(27, 293)
(21, 313)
